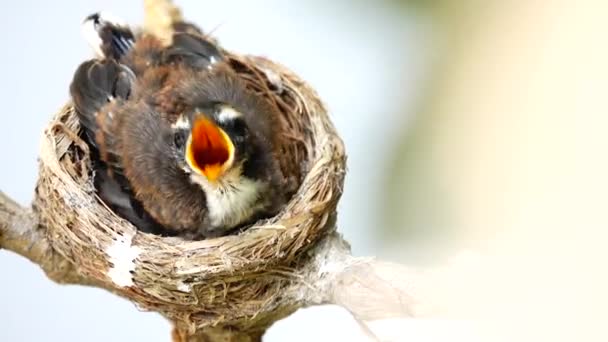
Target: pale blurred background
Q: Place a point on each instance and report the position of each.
(475, 133)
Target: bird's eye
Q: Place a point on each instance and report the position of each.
(239, 128)
(179, 140)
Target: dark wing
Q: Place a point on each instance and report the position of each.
(109, 37)
(95, 85)
(192, 51)
(99, 90)
(187, 27)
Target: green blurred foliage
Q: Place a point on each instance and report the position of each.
(415, 208)
(424, 4)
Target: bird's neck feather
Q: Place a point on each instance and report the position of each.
(232, 199)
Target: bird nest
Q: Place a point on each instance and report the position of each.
(228, 279)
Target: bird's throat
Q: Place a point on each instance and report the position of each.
(209, 150)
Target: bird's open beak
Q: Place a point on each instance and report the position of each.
(209, 150)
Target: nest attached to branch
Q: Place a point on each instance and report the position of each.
(231, 280)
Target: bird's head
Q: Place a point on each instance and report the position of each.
(231, 159)
(213, 141)
(219, 146)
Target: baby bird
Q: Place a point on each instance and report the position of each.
(180, 145)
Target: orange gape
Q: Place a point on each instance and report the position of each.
(209, 149)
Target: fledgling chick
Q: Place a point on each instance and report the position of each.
(181, 146)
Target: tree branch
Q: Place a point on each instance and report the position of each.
(21, 234)
(369, 288)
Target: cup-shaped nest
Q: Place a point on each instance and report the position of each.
(230, 279)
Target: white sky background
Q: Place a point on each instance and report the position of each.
(364, 60)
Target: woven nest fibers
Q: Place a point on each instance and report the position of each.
(198, 283)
